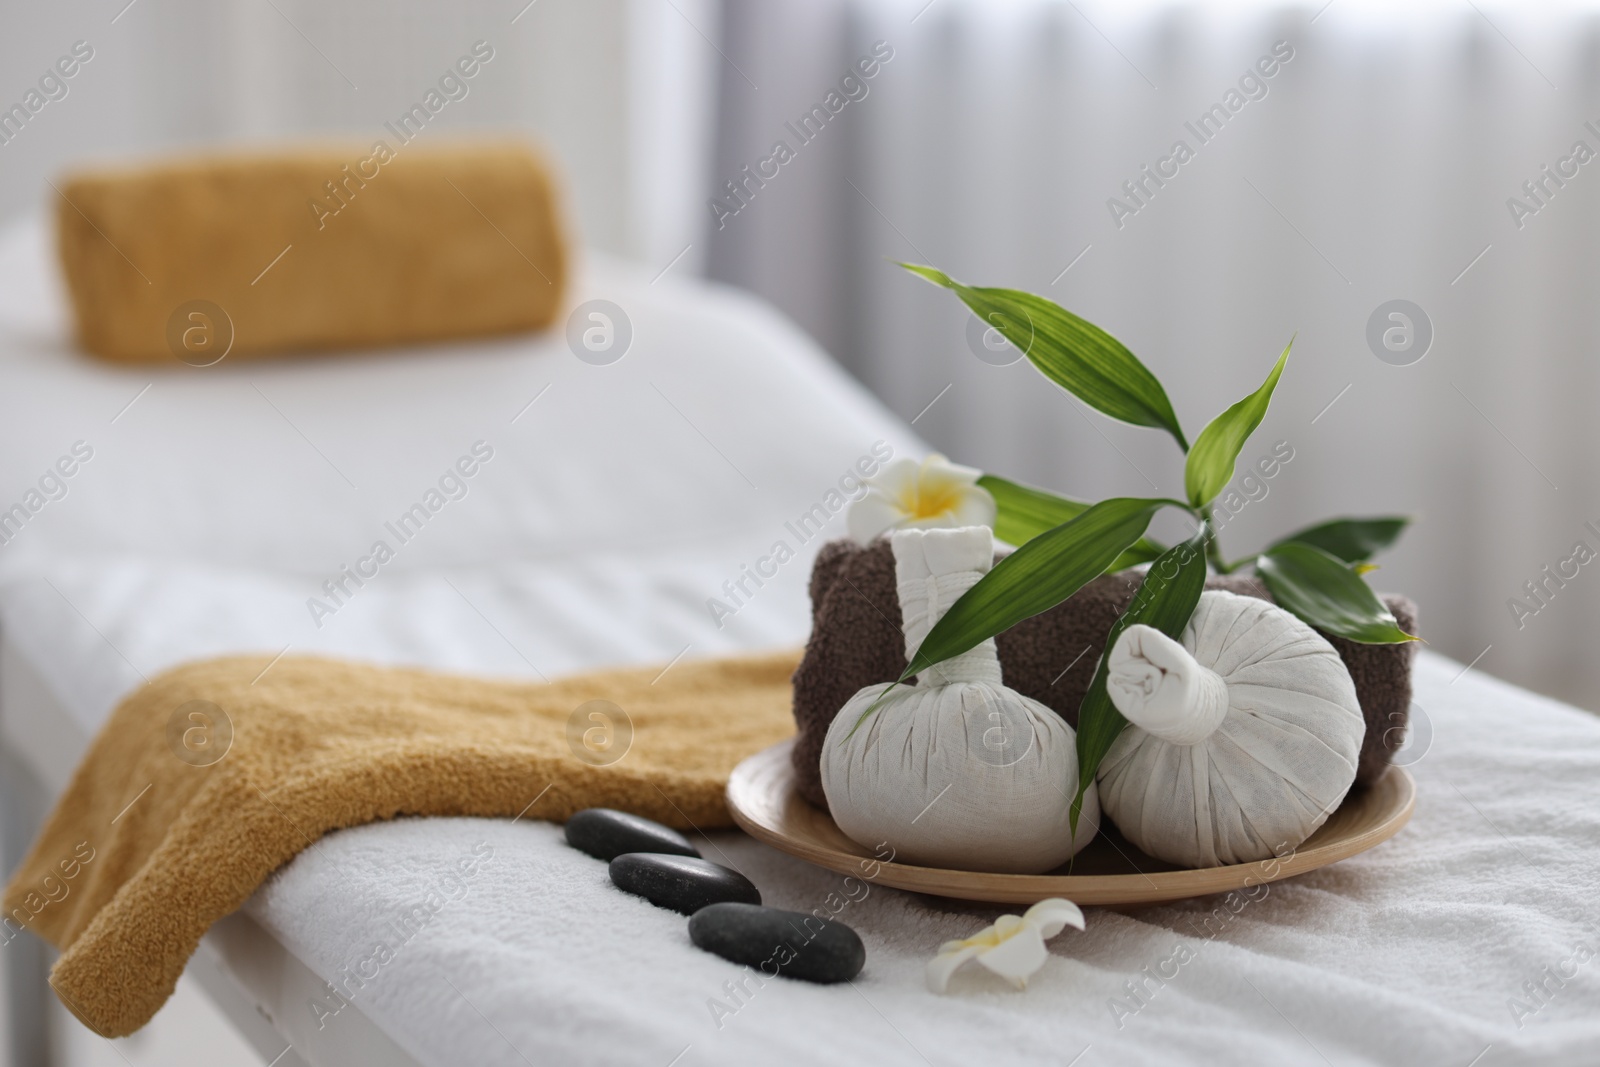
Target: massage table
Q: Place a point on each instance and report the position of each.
(620, 498)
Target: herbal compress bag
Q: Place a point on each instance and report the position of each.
(1243, 738)
(955, 770)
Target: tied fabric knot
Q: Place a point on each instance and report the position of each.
(924, 602)
(1162, 689)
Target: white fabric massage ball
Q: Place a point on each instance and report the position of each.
(957, 770)
(1244, 737)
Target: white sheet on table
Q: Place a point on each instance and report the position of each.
(1407, 954)
(721, 422)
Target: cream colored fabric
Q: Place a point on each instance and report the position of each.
(1162, 689)
(1242, 739)
(957, 770)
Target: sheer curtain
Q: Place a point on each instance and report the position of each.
(1374, 164)
(622, 91)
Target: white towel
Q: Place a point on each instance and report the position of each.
(1414, 953)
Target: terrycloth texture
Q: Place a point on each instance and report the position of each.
(323, 744)
(956, 770)
(1413, 953)
(1202, 789)
(435, 242)
(856, 641)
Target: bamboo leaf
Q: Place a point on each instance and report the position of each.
(1023, 513)
(1141, 551)
(1210, 464)
(1352, 540)
(1072, 352)
(1165, 600)
(1037, 577)
(1319, 588)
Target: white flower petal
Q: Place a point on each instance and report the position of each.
(872, 515)
(977, 508)
(938, 467)
(931, 494)
(1017, 956)
(942, 966)
(944, 520)
(898, 478)
(1053, 914)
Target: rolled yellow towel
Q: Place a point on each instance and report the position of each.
(314, 248)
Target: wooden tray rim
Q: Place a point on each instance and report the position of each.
(1396, 793)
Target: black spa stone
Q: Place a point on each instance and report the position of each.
(606, 834)
(775, 942)
(682, 883)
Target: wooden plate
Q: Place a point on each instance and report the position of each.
(765, 804)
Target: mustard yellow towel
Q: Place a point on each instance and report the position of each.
(317, 247)
(148, 847)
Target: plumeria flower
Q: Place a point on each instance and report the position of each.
(1012, 948)
(928, 495)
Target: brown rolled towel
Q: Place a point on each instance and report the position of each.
(856, 641)
(313, 247)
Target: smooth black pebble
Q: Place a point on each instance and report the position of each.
(764, 938)
(606, 834)
(683, 883)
